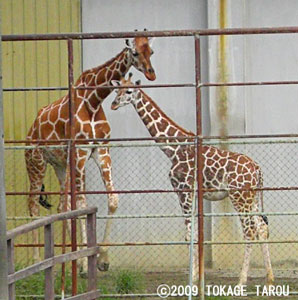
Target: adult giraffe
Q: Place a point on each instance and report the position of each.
(222, 170)
(52, 123)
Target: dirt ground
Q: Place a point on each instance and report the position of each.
(282, 277)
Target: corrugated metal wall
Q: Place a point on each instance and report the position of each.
(33, 64)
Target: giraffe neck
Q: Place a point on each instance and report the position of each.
(102, 76)
(159, 124)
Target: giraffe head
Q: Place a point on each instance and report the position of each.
(140, 50)
(125, 95)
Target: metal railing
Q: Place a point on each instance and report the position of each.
(51, 260)
(198, 138)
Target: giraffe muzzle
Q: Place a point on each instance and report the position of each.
(114, 106)
(150, 74)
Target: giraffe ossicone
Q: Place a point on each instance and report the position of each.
(235, 175)
(52, 123)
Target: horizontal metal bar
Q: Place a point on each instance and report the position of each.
(34, 147)
(165, 243)
(165, 85)
(164, 33)
(104, 217)
(157, 191)
(251, 142)
(232, 214)
(133, 145)
(120, 244)
(221, 138)
(154, 139)
(251, 242)
(49, 220)
(129, 296)
(248, 83)
(102, 296)
(35, 89)
(50, 262)
(112, 87)
(84, 141)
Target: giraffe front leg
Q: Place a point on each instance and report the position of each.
(103, 161)
(186, 202)
(81, 157)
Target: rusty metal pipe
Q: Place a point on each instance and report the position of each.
(165, 33)
(72, 163)
(199, 168)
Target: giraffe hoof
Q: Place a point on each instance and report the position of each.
(103, 267)
(83, 274)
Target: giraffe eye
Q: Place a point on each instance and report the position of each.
(128, 92)
(152, 52)
(135, 53)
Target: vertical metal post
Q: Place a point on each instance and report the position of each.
(11, 268)
(72, 162)
(48, 253)
(64, 224)
(91, 242)
(3, 242)
(199, 162)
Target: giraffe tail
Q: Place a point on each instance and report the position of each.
(43, 199)
(260, 185)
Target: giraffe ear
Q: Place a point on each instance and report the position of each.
(115, 82)
(130, 44)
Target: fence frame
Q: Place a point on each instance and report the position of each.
(196, 34)
(50, 260)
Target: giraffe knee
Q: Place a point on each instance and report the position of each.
(81, 202)
(263, 232)
(188, 230)
(33, 207)
(113, 202)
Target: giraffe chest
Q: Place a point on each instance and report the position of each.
(91, 124)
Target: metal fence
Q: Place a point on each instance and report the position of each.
(148, 231)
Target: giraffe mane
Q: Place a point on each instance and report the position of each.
(187, 132)
(104, 64)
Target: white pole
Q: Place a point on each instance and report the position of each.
(3, 243)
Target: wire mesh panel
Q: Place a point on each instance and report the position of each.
(154, 216)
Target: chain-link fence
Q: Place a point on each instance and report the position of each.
(156, 217)
(148, 229)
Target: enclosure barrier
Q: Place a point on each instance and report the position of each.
(50, 260)
(198, 139)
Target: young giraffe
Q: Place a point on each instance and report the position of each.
(222, 170)
(52, 123)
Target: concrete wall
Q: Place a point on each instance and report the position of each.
(251, 110)
(259, 110)
(147, 168)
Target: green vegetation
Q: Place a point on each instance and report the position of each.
(128, 281)
(120, 282)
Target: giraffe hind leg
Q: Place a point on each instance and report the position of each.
(263, 234)
(36, 169)
(43, 199)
